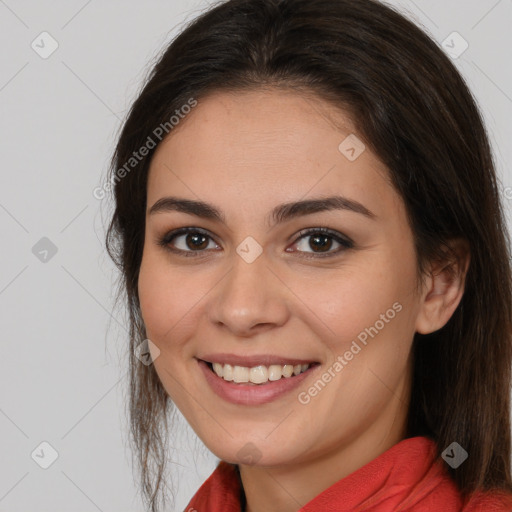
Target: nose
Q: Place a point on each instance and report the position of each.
(250, 299)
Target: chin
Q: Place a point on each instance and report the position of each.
(255, 452)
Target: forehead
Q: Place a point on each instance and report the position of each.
(267, 146)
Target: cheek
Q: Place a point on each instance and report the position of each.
(161, 302)
(155, 302)
(164, 309)
(368, 312)
(171, 299)
(346, 302)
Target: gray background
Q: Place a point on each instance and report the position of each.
(63, 378)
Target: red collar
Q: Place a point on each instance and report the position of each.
(405, 478)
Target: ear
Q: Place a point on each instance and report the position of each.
(443, 288)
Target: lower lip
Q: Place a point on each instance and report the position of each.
(243, 394)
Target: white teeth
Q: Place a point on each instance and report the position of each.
(240, 374)
(287, 370)
(227, 372)
(218, 369)
(257, 374)
(275, 372)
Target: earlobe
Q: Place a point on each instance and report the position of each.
(444, 288)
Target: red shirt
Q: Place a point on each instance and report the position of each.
(405, 478)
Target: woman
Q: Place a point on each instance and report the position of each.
(314, 252)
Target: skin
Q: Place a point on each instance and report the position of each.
(245, 153)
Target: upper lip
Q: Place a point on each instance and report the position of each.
(253, 360)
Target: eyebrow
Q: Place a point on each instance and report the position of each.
(279, 214)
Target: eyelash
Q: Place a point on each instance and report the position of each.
(345, 242)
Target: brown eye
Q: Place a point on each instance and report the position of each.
(320, 241)
(196, 241)
(187, 241)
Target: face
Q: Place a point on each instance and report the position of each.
(284, 249)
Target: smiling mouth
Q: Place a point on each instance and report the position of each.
(258, 375)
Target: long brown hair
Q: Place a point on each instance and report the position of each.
(414, 110)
